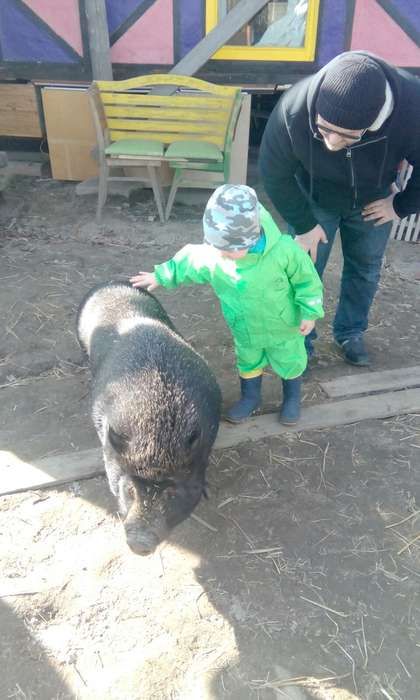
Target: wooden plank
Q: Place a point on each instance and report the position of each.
(71, 141)
(121, 187)
(324, 416)
(27, 168)
(209, 101)
(368, 382)
(163, 125)
(410, 225)
(181, 81)
(19, 114)
(16, 475)
(161, 113)
(400, 229)
(235, 19)
(100, 53)
(167, 137)
(240, 144)
(394, 229)
(416, 234)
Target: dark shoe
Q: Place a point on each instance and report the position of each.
(290, 408)
(249, 401)
(354, 351)
(309, 347)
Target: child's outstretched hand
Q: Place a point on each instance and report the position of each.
(146, 280)
(306, 327)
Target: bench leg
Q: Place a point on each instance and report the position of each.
(175, 184)
(157, 191)
(102, 190)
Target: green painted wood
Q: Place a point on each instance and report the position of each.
(199, 150)
(135, 147)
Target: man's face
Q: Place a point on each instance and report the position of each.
(334, 137)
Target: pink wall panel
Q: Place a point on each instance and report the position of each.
(374, 30)
(150, 39)
(63, 17)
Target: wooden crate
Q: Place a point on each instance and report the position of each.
(19, 115)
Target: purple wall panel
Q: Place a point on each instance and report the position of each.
(23, 39)
(332, 30)
(119, 10)
(409, 9)
(190, 24)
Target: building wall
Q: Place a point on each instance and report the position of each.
(47, 39)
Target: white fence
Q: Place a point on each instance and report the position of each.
(407, 229)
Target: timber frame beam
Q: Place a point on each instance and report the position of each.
(244, 11)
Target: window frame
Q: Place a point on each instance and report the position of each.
(267, 53)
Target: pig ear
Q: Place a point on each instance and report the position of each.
(118, 442)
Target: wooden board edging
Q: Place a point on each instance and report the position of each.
(17, 475)
(386, 380)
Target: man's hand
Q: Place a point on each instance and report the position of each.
(146, 280)
(309, 241)
(306, 327)
(381, 211)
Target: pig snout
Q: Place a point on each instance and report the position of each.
(144, 524)
(141, 536)
(142, 543)
(153, 512)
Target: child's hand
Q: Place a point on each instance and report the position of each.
(306, 327)
(145, 280)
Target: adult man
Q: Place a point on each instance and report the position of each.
(329, 158)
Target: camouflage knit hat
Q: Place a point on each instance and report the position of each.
(231, 218)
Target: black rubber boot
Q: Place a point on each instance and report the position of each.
(290, 408)
(249, 401)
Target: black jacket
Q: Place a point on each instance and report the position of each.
(340, 181)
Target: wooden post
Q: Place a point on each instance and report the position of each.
(239, 154)
(98, 40)
(214, 40)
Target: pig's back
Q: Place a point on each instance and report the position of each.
(111, 307)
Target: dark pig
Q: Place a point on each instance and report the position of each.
(156, 408)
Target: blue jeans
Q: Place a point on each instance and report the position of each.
(363, 246)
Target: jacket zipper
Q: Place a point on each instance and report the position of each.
(353, 179)
(349, 156)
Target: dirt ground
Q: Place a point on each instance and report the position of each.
(303, 581)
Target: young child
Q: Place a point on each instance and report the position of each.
(269, 291)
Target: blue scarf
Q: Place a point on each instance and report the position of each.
(259, 246)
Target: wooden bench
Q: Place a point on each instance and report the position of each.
(191, 128)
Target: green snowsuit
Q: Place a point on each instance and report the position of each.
(263, 297)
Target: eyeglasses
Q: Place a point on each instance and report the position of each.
(347, 137)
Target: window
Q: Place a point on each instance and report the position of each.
(284, 30)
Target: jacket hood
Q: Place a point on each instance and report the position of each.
(390, 74)
(271, 230)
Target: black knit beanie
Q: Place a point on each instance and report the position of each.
(352, 93)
